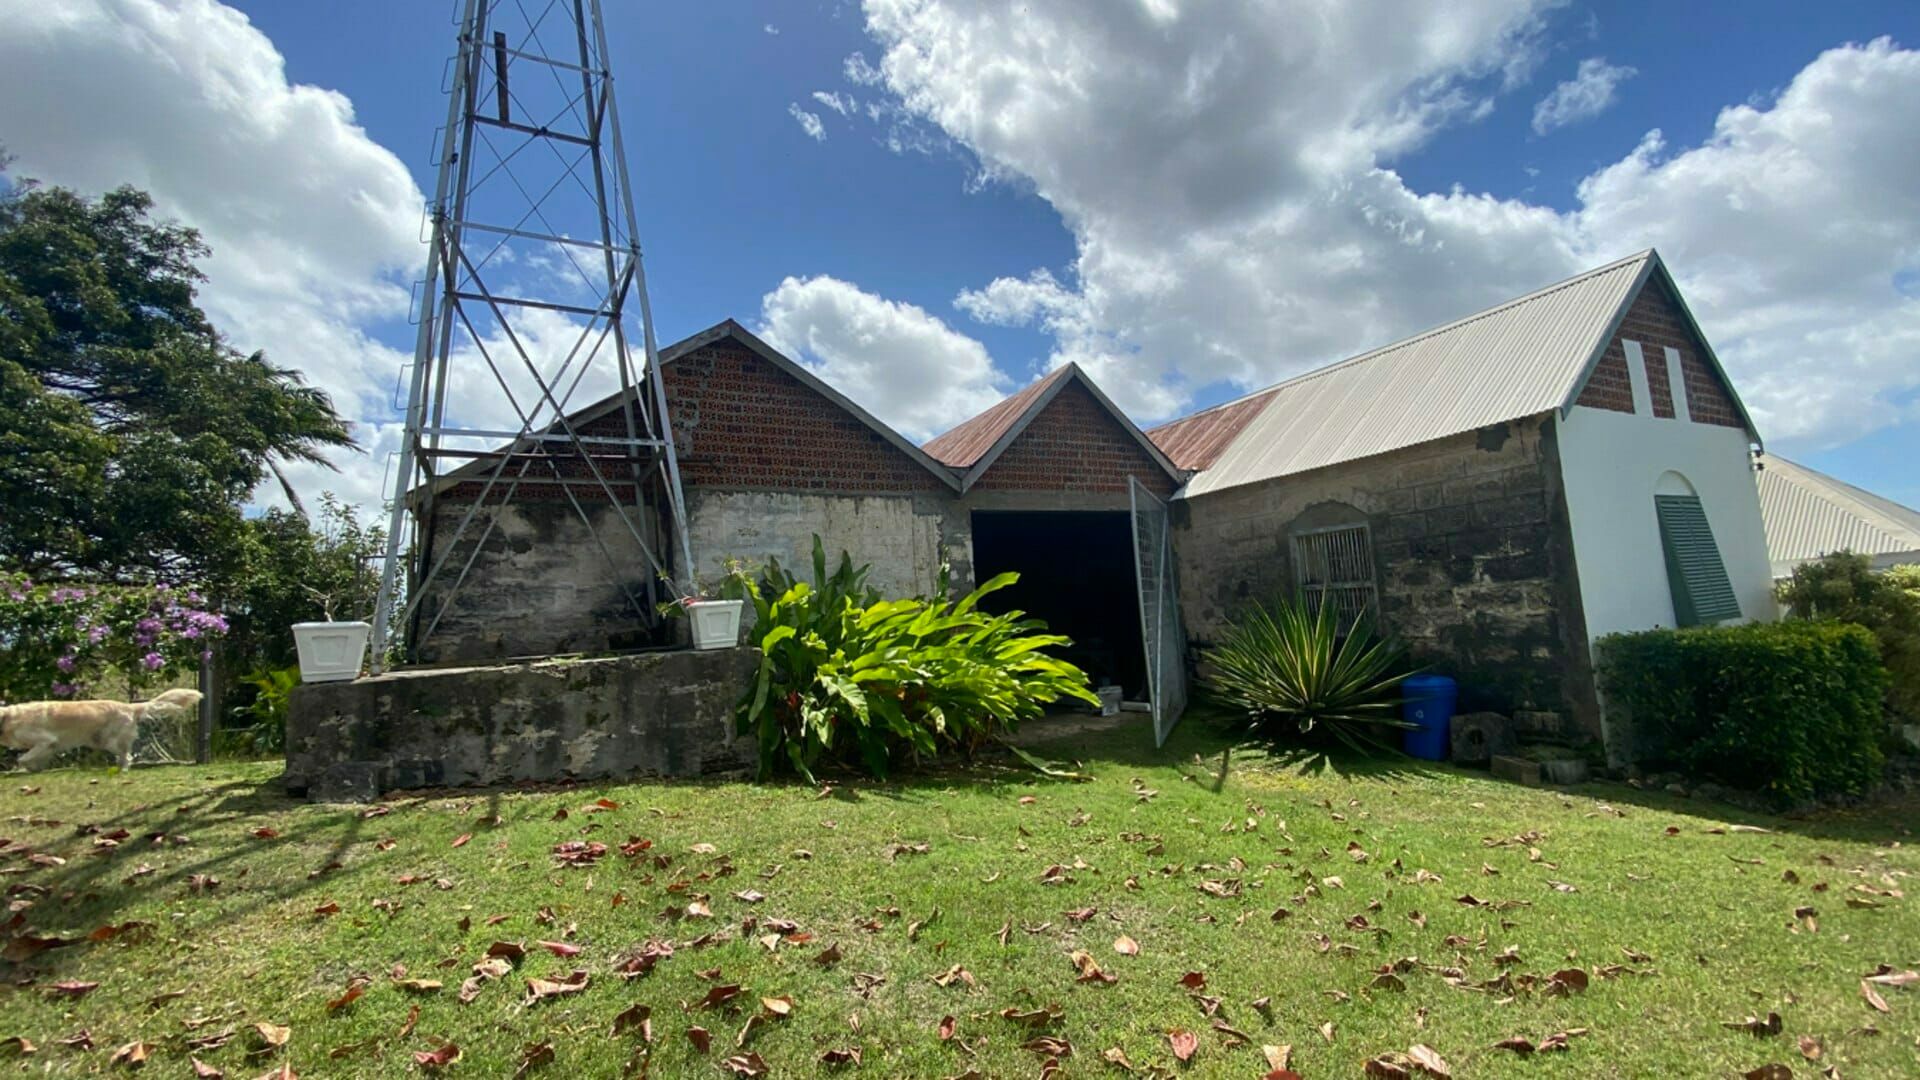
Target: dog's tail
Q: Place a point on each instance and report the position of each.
(183, 700)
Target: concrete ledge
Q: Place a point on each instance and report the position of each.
(649, 714)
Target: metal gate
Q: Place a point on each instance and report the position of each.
(1166, 642)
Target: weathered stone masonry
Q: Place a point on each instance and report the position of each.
(1472, 551)
(653, 714)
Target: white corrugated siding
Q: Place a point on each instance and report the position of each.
(1519, 359)
(1809, 514)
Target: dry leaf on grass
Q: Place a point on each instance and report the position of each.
(749, 1065)
(539, 990)
(1183, 1043)
(534, 1056)
(437, 1058)
(1756, 1026)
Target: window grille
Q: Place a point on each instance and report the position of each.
(1336, 565)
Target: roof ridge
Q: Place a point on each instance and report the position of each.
(1431, 331)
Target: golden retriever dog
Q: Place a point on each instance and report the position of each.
(42, 729)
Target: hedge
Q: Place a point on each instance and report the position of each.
(1793, 708)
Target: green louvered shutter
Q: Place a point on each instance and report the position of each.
(1701, 591)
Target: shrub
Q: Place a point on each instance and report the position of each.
(1794, 706)
(1293, 666)
(57, 640)
(1844, 586)
(267, 731)
(849, 676)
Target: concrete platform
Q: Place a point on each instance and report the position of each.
(620, 717)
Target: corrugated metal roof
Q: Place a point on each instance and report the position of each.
(1809, 514)
(964, 444)
(1522, 358)
(1195, 442)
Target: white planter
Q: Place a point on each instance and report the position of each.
(330, 651)
(716, 623)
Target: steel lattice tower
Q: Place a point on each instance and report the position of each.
(532, 289)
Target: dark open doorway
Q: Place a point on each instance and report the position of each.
(1076, 572)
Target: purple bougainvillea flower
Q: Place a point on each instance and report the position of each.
(65, 663)
(152, 661)
(61, 689)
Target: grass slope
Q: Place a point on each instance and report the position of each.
(1639, 875)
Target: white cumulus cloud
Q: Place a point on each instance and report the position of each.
(1230, 186)
(314, 227)
(1588, 94)
(900, 363)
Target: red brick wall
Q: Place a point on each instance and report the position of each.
(1654, 320)
(740, 422)
(1074, 445)
(1609, 388)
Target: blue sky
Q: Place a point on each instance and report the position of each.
(1190, 200)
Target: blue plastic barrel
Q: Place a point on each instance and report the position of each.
(1428, 706)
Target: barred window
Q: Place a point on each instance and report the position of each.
(1336, 565)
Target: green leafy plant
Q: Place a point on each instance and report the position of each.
(1844, 586)
(1294, 666)
(848, 676)
(1792, 707)
(267, 732)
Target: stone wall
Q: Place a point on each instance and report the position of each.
(539, 584)
(652, 714)
(1473, 560)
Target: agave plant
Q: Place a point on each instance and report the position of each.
(847, 675)
(1301, 666)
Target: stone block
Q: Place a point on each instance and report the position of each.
(1517, 770)
(347, 782)
(1480, 736)
(1565, 771)
(1533, 723)
(647, 714)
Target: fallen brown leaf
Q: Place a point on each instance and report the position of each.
(542, 989)
(437, 1058)
(1183, 1043)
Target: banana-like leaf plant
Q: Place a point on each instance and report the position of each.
(847, 675)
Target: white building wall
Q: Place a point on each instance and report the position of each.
(1611, 463)
(899, 536)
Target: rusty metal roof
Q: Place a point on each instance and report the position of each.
(1809, 514)
(1196, 441)
(1525, 357)
(963, 445)
(971, 448)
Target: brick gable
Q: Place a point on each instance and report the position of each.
(1074, 445)
(1655, 321)
(741, 422)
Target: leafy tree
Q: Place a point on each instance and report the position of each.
(1844, 586)
(131, 432)
(300, 570)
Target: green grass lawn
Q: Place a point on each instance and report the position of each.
(962, 895)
